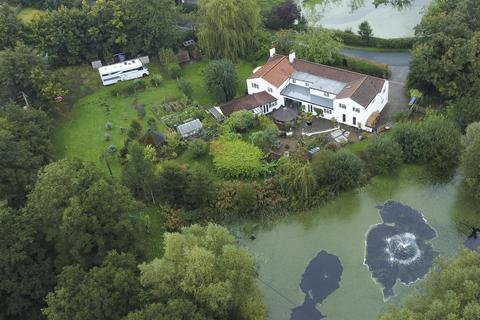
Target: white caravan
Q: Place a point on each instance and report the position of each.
(127, 70)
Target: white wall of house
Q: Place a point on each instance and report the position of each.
(259, 85)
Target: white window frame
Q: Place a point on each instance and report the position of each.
(342, 106)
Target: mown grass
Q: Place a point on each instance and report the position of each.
(81, 123)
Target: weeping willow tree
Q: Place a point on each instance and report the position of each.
(227, 28)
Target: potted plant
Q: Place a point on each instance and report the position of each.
(308, 118)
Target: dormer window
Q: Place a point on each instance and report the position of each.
(270, 89)
(326, 94)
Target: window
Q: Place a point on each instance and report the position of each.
(356, 109)
(254, 85)
(344, 118)
(270, 90)
(274, 103)
(343, 106)
(294, 81)
(326, 94)
(266, 109)
(328, 111)
(354, 121)
(309, 108)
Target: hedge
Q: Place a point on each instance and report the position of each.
(236, 158)
(365, 66)
(381, 43)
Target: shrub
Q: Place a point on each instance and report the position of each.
(185, 87)
(111, 149)
(166, 56)
(384, 155)
(340, 171)
(156, 80)
(236, 158)
(135, 130)
(107, 136)
(471, 158)
(197, 149)
(109, 126)
(140, 108)
(265, 139)
(139, 84)
(412, 141)
(174, 70)
(401, 115)
(240, 121)
(246, 199)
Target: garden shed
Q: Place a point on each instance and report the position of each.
(153, 138)
(190, 129)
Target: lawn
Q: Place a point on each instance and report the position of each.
(28, 14)
(81, 128)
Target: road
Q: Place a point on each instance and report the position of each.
(398, 64)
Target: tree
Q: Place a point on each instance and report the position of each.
(412, 141)
(16, 67)
(445, 60)
(11, 27)
(365, 31)
(221, 80)
(265, 139)
(137, 173)
(384, 155)
(234, 158)
(297, 180)
(26, 272)
(172, 183)
(340, 171)
(283, 16)
(185, 87)
(448, 292)
(202, 272)
(400, 4)
(471, 158)
(465, 110)
(25, 147)
(284, 41)
(443, 154)
(227, 28)
(62, 34)
(318, 45)
(240, 121)
(81, 215)
(107, 292)
(200, 190)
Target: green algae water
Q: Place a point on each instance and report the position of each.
(284, 247)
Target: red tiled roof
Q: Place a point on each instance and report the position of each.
(247, 102)
(276, 71)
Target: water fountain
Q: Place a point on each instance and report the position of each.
(398, 247)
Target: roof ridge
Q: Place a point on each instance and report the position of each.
(274, 65)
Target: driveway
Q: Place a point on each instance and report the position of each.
(398, 64)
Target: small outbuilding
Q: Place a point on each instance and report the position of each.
(285, 115)
(190, 129)
(153, 138)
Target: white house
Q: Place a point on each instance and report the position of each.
(351, 98)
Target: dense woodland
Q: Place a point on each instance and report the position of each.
(74, 239)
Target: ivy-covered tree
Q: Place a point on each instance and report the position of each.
(221, 80)
(227, 28)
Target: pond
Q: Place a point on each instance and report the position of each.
(319, 264)
(386, 21)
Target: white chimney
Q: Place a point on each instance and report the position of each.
(272, 52)
(291, 57)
